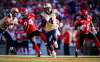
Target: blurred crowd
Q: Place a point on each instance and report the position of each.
(68, 8)
(68, 11)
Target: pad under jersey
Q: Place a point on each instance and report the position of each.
(51, 21)
(85, 24)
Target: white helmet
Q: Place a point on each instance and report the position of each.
(48, 5)
(15, 9)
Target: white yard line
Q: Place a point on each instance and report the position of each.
(30, 56)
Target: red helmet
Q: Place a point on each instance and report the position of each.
(32, 15)
(23, 10)
(84, 12)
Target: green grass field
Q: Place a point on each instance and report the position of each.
(25, 58)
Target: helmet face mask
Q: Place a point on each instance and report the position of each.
(84, 12)
(24, 15)
(14, 12)
(48, 7)
(24, 12)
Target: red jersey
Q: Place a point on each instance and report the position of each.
(29, 24)
(85, 25)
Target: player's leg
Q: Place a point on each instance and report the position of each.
(43, 37)
(79, 43)
(54, 43)
(50, 49)
(10, 41)
(35, 46)
(54, 38)
(96, 41)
